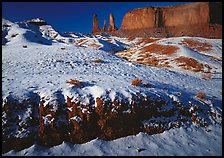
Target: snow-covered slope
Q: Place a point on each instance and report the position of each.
(191, 141)
(40, 66)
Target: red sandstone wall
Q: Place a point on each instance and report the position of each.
(138, 19)
(180, 15)
(186, 15)
(203, 19)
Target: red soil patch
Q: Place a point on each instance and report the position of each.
(189, 64)
(147, 40)
(160, 49)
(196, 45)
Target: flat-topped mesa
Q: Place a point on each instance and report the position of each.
(95, 28)
(112, 26)
(203, 19)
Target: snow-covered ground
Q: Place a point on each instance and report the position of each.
(40, 61)
(191, 141)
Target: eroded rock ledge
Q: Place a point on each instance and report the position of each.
(49, 124)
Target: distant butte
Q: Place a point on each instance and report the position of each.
(201, 19)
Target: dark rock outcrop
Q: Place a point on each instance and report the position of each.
(95, 28)
(37, 21)
(202, 19)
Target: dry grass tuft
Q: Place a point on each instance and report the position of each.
(97, 60)
(206, 76)
(74, 82)
(189, 64)
(136, 82)
(196, 45)
(200, 95)
(147, 40)
(160, 49)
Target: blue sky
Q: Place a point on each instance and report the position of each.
(73, 16)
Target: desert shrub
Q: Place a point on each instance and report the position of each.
(74, 82)
(24, 46)
(200, 95)
(136, 82)
(206, 76)
(97, 60)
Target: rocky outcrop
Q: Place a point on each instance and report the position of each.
(95, 28)
(49, 124)
(197, 19)
(37, 21)
(112, 26)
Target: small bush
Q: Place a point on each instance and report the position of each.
(74, 82)
(136, 82)
(200, 95)
(97, 60)
(206, 76)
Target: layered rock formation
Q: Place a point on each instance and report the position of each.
(95, 28)
(197, 19)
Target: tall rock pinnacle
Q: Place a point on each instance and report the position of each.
(112, 26)
(95, 28)
(104, 26)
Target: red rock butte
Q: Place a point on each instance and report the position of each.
(202, 19)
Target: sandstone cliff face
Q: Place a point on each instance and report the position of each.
(95, 28)
(196, 19)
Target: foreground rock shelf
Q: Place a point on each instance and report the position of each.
(26, 123)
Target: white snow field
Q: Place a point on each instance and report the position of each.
(175, 142)
(39, 60)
